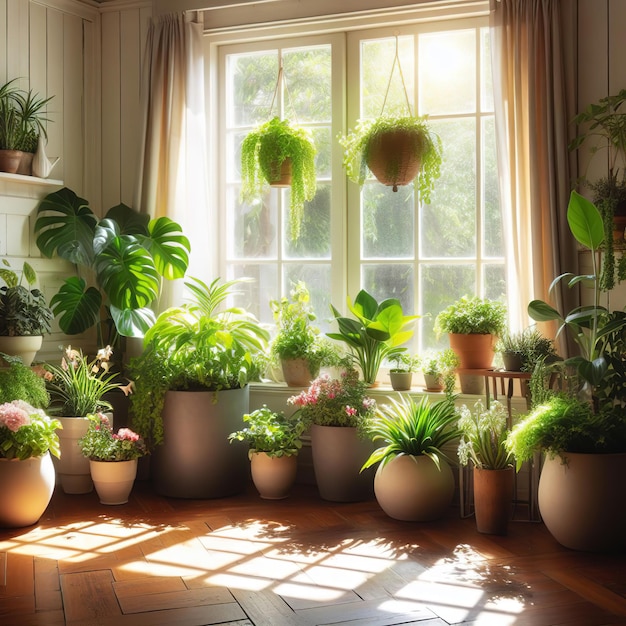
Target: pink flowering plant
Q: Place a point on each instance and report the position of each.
(336, 401)
(102, 444)
(26, 432)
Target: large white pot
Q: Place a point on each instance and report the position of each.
(412, 488)
(26, 347)
(582, 502)
(113, 480)
(26, 490)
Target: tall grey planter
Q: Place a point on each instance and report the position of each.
(196, 459)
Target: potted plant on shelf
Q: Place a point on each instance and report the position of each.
(22, 124)
(112, 458)
(413, 481)
(473, 325)
(298, 344)
(24, 314)
(338, 410)
(191, 391)
(397, 150)
(521, 351)
(130, 255)
(581, 427)
(280, 154)
(376, 332)
(77, 388)
(483, 442)
(439, 370)
(275, 441)
(28, 436)
(401, 371)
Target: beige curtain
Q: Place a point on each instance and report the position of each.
(534, 77)
(172, 168)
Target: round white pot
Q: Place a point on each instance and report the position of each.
(113, 480)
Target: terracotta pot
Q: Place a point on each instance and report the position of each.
(474, 351)
(273, 477)
(297, 372)
(412, 488)
(10, 161)
(400, 381)
(281, 177)
(113, 480)
(25, 346)
(582, 501)
(26, 164)
(27, 487)
(196, 459)
(338, 455)
(73, 468)
(493, 499)
(391, 157)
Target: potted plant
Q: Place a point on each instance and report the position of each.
(521, 351)
(473, 325)
(130, 255)
(298, 344)
(338, 410)
(413, 481)
(376, 332)
(439, 370)
(112, 458)
(28, 436)
(275, 441)
(77, 388)
(281, 154)
(191, 391)
(401, 371)
(581, 428)
(483, 443)
(397, 150)
(22, 123)
(24, 314)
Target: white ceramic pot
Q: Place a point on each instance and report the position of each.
(73, 468)
(27, 487)
(26, 347)
(113, 480)
(273, 477)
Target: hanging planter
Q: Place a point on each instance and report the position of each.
(397, 150)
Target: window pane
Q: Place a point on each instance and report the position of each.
(252, 295)
(251, 85)
(390, 281)
(486, 84)
(387, 222)
(493, 215)
(495, 285)
(440, 286)
(314, 240)
(447, 72)
(316, 277)
(323, 147)
(251, 227)
(448, 224)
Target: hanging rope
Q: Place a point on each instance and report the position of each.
(281, 80)
(396, 61)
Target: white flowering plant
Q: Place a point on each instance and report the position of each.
(26, 432)
(101, 444)
(483, 436)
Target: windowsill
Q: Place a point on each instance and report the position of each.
(22, 186)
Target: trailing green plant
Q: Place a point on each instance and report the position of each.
(427, 148)
(408, 427)
(19, 382)
(26, 431)
(127, 253)
(100, 443)
(77, 386)
(376, 332)
(271, 432)
(441, 364)
(529, 345)
(23, 309)
(297, 337)
(22, 118)
(484, 434)
(263, 152)
(472, 315)
(198, 346)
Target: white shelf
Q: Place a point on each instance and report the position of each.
(26, 186)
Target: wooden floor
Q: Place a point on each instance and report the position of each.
(243, 560)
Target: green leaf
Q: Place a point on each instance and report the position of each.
(541, 311)
(585, 221)
(79, 309)
(106, 231)
(66, 225)
(9, 277)
(364, 307)
(131, 222)
(168, 246)
(132, 322)
(29, 274)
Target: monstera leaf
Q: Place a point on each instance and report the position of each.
(132, 322)
(77, 307)
(168, 246)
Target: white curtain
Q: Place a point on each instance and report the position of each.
(173, 165)
(534, 77)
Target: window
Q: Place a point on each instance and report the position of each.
(372, 238)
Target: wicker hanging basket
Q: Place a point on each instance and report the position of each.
(394, 157)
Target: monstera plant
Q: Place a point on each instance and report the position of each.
(125, 256)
